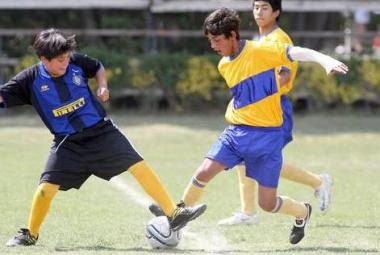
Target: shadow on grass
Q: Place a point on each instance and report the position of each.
(147, 250)
(333, 250)
(347, 226)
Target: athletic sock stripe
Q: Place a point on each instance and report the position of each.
(278, 205)
(198, 183)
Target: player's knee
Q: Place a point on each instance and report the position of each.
(207, 170)
(267, 205)
(47, 190)
(203, 176)
(203, 173)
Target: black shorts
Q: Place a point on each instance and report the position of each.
(101, 150)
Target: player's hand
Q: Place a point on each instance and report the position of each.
(336, 67)
(284, 76)
(103, 94)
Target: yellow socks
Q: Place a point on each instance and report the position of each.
(193, 192)
(296, 174)
(152, 185)
(286, 205)
(248, 192)
(40, 206)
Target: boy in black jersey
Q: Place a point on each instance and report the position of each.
(86, 142)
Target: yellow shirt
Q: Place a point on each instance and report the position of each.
(279, 35)
(251, 77)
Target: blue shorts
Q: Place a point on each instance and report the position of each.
(259, 148)
(287, 115)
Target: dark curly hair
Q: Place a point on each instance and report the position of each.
(222, 21)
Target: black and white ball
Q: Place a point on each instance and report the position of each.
(160, 235)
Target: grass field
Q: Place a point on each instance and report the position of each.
(105, 218)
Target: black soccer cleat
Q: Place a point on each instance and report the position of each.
(299, 227)
(23, 239)
(182, 215)
(156, 210)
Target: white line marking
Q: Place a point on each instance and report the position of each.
(137, 197)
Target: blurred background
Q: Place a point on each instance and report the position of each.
(158, 59)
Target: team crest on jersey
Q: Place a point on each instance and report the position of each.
(76, 80)
(44, 88)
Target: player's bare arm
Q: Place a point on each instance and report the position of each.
(1, 99)
(284, 75)
(330, 64)
(101, 79)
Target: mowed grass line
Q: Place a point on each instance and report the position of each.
(100, 219)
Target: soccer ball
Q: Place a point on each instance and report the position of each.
(160, 235)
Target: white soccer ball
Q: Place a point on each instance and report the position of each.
(160, 235)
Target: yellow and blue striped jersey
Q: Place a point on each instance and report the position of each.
(251, 77)
(279, 35)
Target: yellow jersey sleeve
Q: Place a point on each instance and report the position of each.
(271, 54)
(279, 36)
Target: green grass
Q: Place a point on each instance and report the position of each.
(101, 219)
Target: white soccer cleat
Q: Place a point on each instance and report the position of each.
(240, 218)
(323, 192)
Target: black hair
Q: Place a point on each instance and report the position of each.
(222, 21)
(51, 43)
(275, 4)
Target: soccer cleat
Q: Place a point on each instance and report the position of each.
(323, 192)
(240, 218)
(157, 211)
(299, 227)
(182, 215)
(23, 239)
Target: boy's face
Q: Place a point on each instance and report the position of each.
(222, 45)
(57, 66)
(264, 14)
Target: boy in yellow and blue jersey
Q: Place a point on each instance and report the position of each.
(254, 114)
(267, 14)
